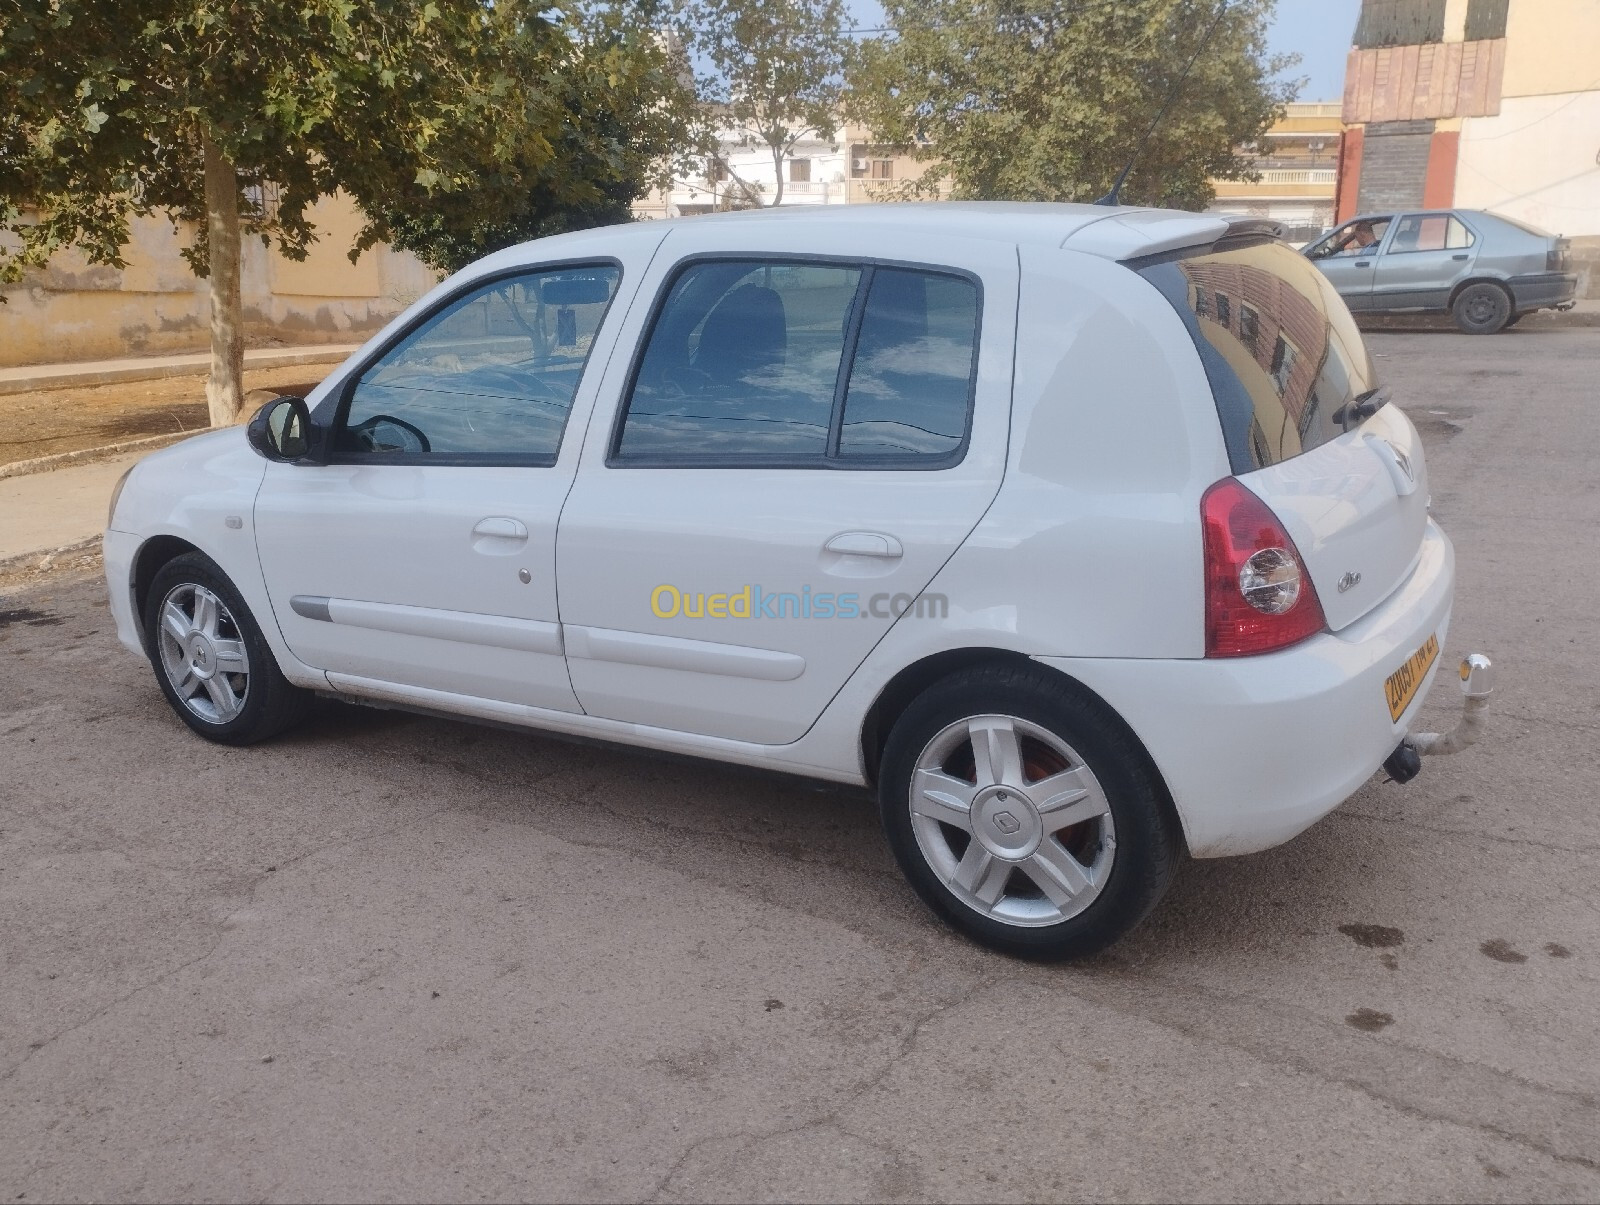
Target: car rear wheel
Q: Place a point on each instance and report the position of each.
(1024, 815)
(1482, 309)
(210, 658)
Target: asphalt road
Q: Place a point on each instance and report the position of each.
(396, 958)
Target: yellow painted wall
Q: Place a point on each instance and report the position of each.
(71, 310)
(1552, 46)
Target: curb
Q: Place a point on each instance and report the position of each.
(44, 559)
(159, 370)
(60, 460)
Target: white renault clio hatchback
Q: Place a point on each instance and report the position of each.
(1083, 535)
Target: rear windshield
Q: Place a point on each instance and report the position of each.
(1281, 350)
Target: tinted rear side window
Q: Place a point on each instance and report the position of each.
(912, 376)
(788, 364)
(1280, 349)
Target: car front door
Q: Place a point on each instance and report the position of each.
(421, 555)
(1425, 258)
(1347, 258)
(799, 445)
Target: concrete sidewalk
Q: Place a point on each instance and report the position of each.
(47, 511)
(30, 378)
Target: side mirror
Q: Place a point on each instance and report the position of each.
(281, 430)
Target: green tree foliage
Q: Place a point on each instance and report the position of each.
(456, 125)
(1045, 100)
(777, 68)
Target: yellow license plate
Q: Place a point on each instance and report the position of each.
(1402, 685)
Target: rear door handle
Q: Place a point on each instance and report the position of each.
(501, 527)
(865, 543)
(1461, 258)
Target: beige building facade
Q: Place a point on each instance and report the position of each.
(1478, 104)
(1296, 161)
(73, 310)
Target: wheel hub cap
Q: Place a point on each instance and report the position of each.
(1006, 823)
(202, 656)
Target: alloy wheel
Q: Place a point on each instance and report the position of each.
(203, 653)
(1012, 820)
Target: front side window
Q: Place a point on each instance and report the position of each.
(1357, 238)
(793, 364)
(489, 378)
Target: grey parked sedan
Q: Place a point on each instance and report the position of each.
(1484, 270)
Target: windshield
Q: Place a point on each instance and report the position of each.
(1280, 349)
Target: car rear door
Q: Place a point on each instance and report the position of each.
(1425, 257)
(799, 445)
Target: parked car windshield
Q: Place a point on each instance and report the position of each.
(1280, 349)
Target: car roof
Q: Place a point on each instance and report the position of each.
(1115, 232)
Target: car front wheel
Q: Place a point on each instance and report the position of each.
(210, 658)
(1024, 815)
(1482, 309)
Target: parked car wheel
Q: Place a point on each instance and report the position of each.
(210, 658)
(1482, 309)
(1023, 815)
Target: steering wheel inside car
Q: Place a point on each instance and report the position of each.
(385, 433)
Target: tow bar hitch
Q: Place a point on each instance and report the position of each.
(1477, 684)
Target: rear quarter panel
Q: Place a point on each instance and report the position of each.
(1092, 547)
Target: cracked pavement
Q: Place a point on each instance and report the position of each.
(396, 958)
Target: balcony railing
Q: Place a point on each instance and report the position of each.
(1304, 175)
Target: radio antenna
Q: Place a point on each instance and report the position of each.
(1114, 197)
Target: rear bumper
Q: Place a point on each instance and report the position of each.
(1256, 749)
(1543, 290)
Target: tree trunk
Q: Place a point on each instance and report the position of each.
(777, 170)
(225, 385)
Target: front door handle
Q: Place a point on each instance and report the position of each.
(1363, 263)
(865, 543)
(504, 528)
(1461, 258)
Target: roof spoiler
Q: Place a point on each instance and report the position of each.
(1247, 231)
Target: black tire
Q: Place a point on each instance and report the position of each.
(1148, 843)
(1481, 309)
(270, 703)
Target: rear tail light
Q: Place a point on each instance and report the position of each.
(1259, 597)
(1555, 259)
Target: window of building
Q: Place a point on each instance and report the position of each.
(799, 171)
(1400, 23)
(795, 364)
(1486, 19)
(717, 171)
(489, 378)
(1249, 328)
(1224, 310)
(1284, 356)
(883, 169)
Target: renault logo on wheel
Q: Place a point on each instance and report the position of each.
(1006, 823)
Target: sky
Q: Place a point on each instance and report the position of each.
(1319, 31)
